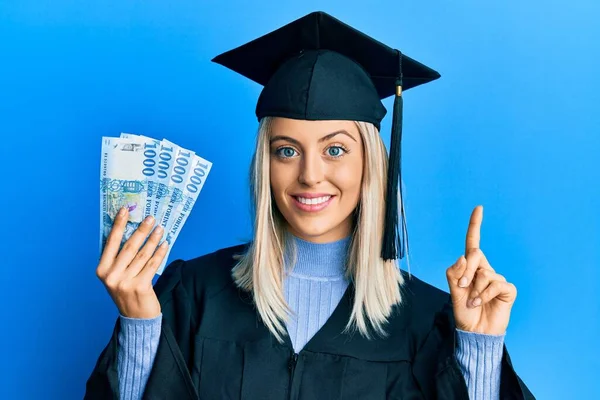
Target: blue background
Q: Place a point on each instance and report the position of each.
(513, 124)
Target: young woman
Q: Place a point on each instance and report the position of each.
(315, 306)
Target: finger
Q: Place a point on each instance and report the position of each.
(149, 270)
(503, 291)
(113, 242)
(456, 270)
(474, 229)
(453, 273)
(475, 260)
(483, 278)
(147, 251)
(133, 244)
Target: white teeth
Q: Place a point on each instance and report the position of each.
(316, 200)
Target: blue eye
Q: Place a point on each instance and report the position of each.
(337, 151)
(285, 152)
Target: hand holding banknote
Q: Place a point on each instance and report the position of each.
(146, 185)
(127, 274)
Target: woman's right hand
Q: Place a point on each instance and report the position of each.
(127, 274)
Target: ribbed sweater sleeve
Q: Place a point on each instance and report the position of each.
(480, 358)
(138, 343)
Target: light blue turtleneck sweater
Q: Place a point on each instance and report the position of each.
(313, 287)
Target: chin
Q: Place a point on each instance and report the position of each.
(313, 231)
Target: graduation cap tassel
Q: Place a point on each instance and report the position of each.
(395, 240)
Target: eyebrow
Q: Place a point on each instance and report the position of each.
(324, 138)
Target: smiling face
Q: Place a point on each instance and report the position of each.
(316, 170)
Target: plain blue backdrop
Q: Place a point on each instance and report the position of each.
(513, 124)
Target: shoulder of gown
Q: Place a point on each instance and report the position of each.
(205, 275)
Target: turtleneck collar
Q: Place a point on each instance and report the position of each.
(322, 260)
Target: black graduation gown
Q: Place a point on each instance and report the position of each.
(213, 346)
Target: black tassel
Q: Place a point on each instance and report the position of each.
(395, 240)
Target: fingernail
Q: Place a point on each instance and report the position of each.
(462, 282)
(477, 301)
(122, 211)
(158, 230)
(149, 219)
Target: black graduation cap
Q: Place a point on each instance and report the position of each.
(319, 68)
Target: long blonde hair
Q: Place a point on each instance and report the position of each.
(260, 269)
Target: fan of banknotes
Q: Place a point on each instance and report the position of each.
(149, 177)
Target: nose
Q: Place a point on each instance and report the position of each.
(312, 169)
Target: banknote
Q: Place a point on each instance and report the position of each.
(123, 183)
(182, 167)
(180, 212)
(166, 158)
(151, 147)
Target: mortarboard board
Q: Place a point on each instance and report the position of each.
(319, 68)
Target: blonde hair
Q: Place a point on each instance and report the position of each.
(260, 269)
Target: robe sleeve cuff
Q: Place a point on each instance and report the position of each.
(479, 357)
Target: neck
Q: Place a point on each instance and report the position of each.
(317, 259)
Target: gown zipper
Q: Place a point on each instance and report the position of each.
(292, 367)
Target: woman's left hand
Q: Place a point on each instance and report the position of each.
(481, 298)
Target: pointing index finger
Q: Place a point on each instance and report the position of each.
(474, 229)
